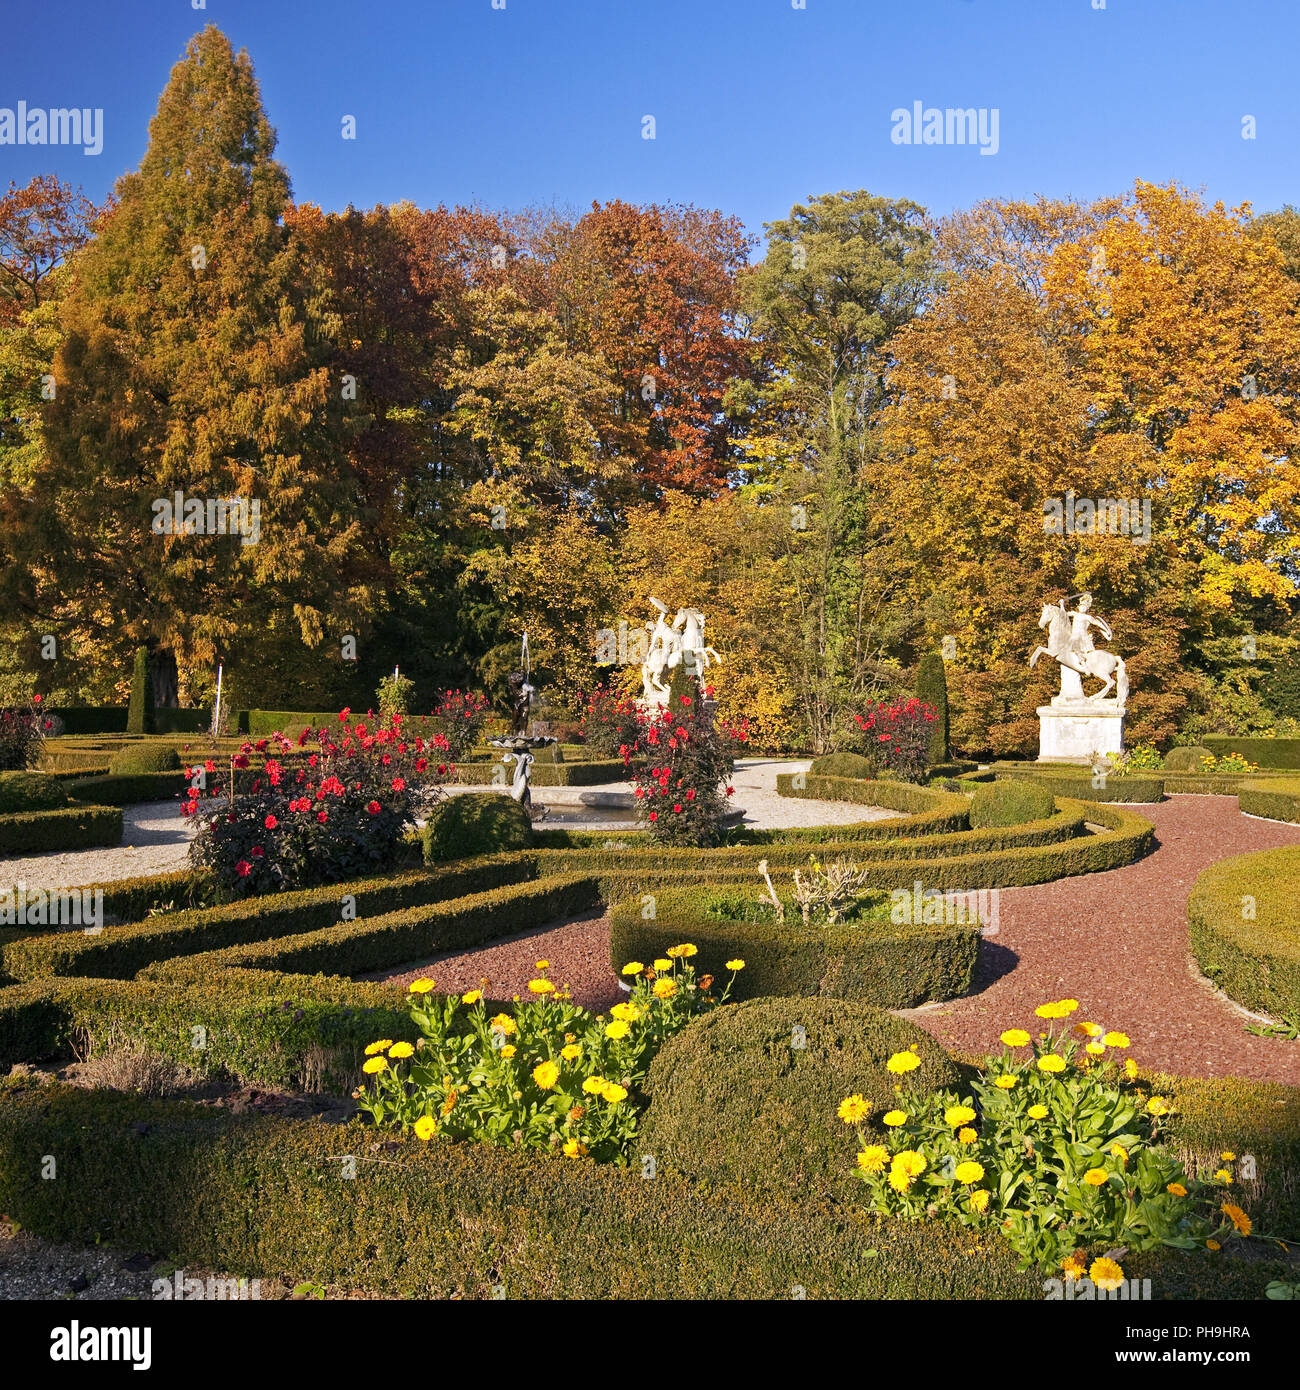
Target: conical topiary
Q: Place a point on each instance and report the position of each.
(139, 715)
(932, 688)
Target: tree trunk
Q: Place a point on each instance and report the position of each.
(165, 678)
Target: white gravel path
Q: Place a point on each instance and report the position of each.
(155, 838)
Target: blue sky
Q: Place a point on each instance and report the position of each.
(757, 104)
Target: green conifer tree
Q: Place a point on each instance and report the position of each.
(139, 714)
(932, 687)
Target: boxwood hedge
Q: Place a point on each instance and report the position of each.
(1274, 800)
(1244, 919)
(70, 828)
(897, 966)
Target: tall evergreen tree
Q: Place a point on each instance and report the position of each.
(192, 363)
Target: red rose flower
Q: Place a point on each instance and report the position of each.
(270, 822)
(654, 815)
(373, 807)
(243, 868)
(322, 816)
(399, 784)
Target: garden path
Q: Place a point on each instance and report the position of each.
(1117, 942)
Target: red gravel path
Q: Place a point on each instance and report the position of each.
(578, 950)
(1117, 942)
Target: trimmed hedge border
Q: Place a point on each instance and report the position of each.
(538, 1226)
(75, 827)
(1267, 752)
(1278, 800)
(924, 808)
(1255, 960)
(130, 789)
(895, 967)
(120, 952)
(1127, 790)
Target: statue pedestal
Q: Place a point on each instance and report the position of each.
(1071, 731)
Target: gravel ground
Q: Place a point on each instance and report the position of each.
(155, 840)
(578, 950)
(1117, 942)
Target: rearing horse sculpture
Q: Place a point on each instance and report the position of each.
(1069, 642)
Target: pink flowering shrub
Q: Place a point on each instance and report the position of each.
(897, 736)
(321, 817)
(22, 735)
(687, 760)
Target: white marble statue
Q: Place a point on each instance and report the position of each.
(671, 644)
(1076, 726)
(1070, 644)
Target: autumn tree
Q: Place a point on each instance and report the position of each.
(191, 362)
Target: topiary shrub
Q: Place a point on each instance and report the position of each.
(1011, 802)
(932, 688)
(748, 1095)
(844, 765)
(475, 823)
(29, 791)
(139, 714)
(1186, 759)
(144, 757)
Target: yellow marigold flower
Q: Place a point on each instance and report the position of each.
(1130, 1068)
(979, 1200)
(1106, 1274)
(664, 989)
(967, 1136)
(1157, 1105)
(541, 987)
(1016, 1037)
(956, 1115)
(910, 1162)
(1120, 1152)
(1005, 1082)
(471, 996)
(633, 967)
(613, 1092)
(426, 1127)
(508, 1051)
(853, 1110)
(594, 1085)
(546, 1074)
(894, 1118)
(968, 1172)
(543, 965)
(902, 1062)
(1095, 1177)
(673, 952)
(1213, 1245)
(620, 1028)
(381, 1046)
(873, 1158)
(899, 1179)
(1075, 1266)
(1176, 1189)
(1048, 1011)
(662, 964)
(503, 1023)
(1037, 1112)
(1227, 1156)
(1095, 1048)
(735, 964)
(401, 1049)
(1116, 1040)
(686, 950)
(1087, 1030)
(628, 1012)
(1067, 1006)
(1051, 1063)
(375, 1065)
(423, 985)
(570, 1052)
(1223, 1175)
(575, 1148)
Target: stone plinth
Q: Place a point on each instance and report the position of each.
(1071, 731)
